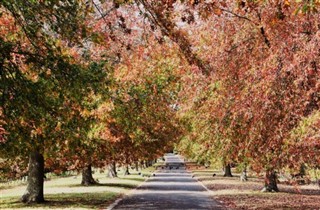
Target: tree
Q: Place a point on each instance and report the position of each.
(142, 118)
(42, 79)
(260, 99)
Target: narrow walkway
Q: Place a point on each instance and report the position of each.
(171, 188)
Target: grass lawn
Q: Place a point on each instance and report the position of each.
(67, 193)
(234, 194)
(94, 200)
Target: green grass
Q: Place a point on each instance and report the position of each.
(118, 185)
(75, 196)
(95, 200)
(138, 179)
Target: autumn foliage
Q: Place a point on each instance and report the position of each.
(94, 82)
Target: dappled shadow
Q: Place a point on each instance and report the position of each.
(7, 187)
(298, 190)
(235, 177)
(173, 175)
(256, 184)
(121, 185)
(134, 178)
(237, 186)
(170, 188)
(174, 164)
(205, 171)
(211, 178)
(267, 201)
(164, 186)
(172, 168)
(168, 200)
(172, 179)
(84, 203)
(67, 200)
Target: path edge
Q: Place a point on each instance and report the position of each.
(115, 203)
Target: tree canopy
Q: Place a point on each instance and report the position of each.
(229, 81)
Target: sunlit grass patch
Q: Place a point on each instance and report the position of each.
(67, 192)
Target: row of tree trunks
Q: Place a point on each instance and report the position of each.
(35, 181)
(34, 191)
(270, 183)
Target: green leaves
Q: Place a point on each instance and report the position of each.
(48, 91)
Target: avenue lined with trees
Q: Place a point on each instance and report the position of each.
(96, 83)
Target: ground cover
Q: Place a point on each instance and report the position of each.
(235, 194)
(66, 192)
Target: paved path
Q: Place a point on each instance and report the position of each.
(171, 188)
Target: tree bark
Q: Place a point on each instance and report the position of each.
(112, 171)
(270, 183)
(87, 178)
(141, 165)
(148, 163)
(302, 171)
(227, 171)
(136, 166)
(34, 191)
(126, 171)
(244, 176)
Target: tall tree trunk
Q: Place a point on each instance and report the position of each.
(34, 191)
(126, 170)
(87, 178)
(270, 183)
(244, 176)
(136, 165)
(112, 171)
(114, 167)
(227, 171)
(142, 164)
(148, 163)
(302, 171)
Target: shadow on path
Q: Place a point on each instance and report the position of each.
(171, 188)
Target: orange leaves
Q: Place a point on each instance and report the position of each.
(217, 11)
(263, 93)
(286, 3)
(58, 127)
(85, 113)
(2, 134)
(8, 28)
(208, 9)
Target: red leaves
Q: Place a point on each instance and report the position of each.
(263, 93)
(2, 134)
